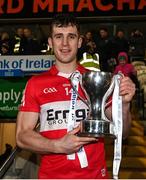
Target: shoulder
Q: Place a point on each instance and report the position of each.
(42, 76)
(39, 76)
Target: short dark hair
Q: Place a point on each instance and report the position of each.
(103, 28)
(63, 20)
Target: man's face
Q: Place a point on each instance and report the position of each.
(120, 34)
(65, 42)
(27, 33)
(103, 33)
(20, 32)
(88, 35)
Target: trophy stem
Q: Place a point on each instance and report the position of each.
(96, 128)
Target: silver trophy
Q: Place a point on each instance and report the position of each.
(97, 87)
(94, 85)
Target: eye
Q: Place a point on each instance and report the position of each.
(72, 36)
(58, 36)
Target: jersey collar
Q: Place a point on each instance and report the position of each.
(54, 70)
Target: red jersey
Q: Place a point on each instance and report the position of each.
(50, 94)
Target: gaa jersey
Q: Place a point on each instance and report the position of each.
(50, 95)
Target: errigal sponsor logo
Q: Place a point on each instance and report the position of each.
(58, 116)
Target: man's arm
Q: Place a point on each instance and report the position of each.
(126, 120)
(28, 138)
(127, 91)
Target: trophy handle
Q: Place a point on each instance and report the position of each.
(76, 78)
(106, 96)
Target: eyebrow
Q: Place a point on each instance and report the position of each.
(72, 34)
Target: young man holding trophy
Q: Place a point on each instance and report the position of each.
(51, 98)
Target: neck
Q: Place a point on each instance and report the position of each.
(66, 68)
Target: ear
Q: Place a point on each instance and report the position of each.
(80, 42)
(50, 42)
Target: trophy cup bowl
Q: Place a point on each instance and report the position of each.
(94, 85)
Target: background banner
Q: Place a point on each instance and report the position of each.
(11, 91)
(25, 64)
(25, 9)
(14, 73)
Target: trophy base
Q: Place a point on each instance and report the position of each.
(96, 128)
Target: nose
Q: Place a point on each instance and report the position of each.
(65, 41)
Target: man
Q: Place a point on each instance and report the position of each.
(121, 42)
(28, 44)
(48, 97)
(105, 48)
(17, 40)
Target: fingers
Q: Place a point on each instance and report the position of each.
(127, 89)
(75, 130)
(71, 143)
(87, 139)
(126, 83)
(82, 139)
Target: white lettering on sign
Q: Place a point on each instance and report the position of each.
(10, 96)
(27, 63)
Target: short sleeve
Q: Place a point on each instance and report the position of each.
(29, 99)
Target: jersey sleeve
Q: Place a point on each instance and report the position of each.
(29, 100)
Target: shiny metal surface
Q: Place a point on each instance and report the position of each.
(96, 128)
(95, 85)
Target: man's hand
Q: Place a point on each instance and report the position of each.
(71, 143)
(127, 89)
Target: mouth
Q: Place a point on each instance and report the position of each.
(65, 51)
